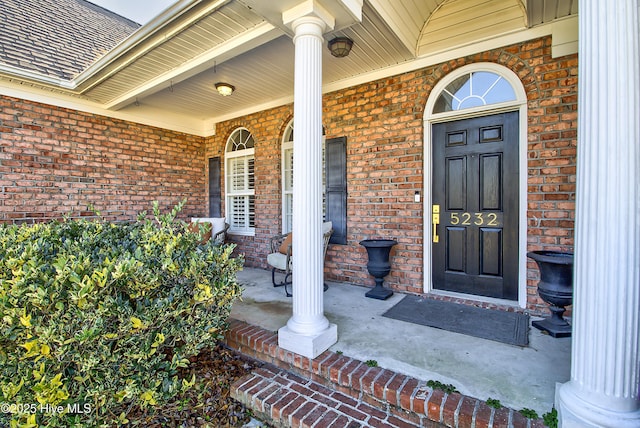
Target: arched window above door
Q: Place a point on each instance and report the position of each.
(474, 89)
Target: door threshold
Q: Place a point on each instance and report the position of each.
(472, 299)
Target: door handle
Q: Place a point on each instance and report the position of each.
(435, 220)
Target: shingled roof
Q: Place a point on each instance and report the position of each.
(58, 38)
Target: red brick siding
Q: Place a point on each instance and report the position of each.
(383, 123)
(56, 161)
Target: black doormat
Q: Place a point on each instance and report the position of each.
(501, 326)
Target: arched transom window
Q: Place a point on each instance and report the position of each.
(240, 182)
(474, 89)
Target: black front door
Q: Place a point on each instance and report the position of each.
(475, 200)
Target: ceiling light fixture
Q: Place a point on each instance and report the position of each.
(225, 89)
(340, 46)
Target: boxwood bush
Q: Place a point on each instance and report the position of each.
(96, 317)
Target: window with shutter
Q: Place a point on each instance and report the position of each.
(240, 182)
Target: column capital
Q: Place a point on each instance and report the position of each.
(308, 12)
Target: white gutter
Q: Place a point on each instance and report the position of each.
(35, 77)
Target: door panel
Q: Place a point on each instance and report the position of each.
(475, 181)
(490, 251)
(456, 186)
(490, 182)
(456, 238)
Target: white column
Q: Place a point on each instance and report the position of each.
(605, 364)
(308, 332)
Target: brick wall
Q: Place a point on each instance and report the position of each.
(56, 162)
(383, 123)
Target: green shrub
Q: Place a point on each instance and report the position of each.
(551, 418)
(492, 402)
(96, 317)
(529, 413)
(436, 384)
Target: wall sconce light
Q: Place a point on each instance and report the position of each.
(340, 46)
(225, 89)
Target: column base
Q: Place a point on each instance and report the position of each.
(309, 346)
(574, 412)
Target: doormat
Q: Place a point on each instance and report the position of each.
(507, 327)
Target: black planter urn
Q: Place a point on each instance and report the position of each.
(378, 266)
(556, 288)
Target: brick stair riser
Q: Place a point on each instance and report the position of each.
(404, 401)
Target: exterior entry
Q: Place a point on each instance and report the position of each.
(475, 206)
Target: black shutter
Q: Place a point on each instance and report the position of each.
(215, 193)
(336, 187)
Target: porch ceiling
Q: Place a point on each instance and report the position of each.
(540, 12)
(235, 44)
(170, 65)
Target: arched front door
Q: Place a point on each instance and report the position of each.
(475, 187)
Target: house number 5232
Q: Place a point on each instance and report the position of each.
(477, 219)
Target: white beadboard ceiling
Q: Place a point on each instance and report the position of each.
(545, 11)
(173, 70)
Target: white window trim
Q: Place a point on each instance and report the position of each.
(520, 105)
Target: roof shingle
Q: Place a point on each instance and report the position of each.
(58, 38)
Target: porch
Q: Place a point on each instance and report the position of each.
(517, 377)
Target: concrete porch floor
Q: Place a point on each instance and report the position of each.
(518, 377)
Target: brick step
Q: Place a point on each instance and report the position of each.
(294, 385)
(284, 399)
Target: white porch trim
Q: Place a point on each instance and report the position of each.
(605, 360)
